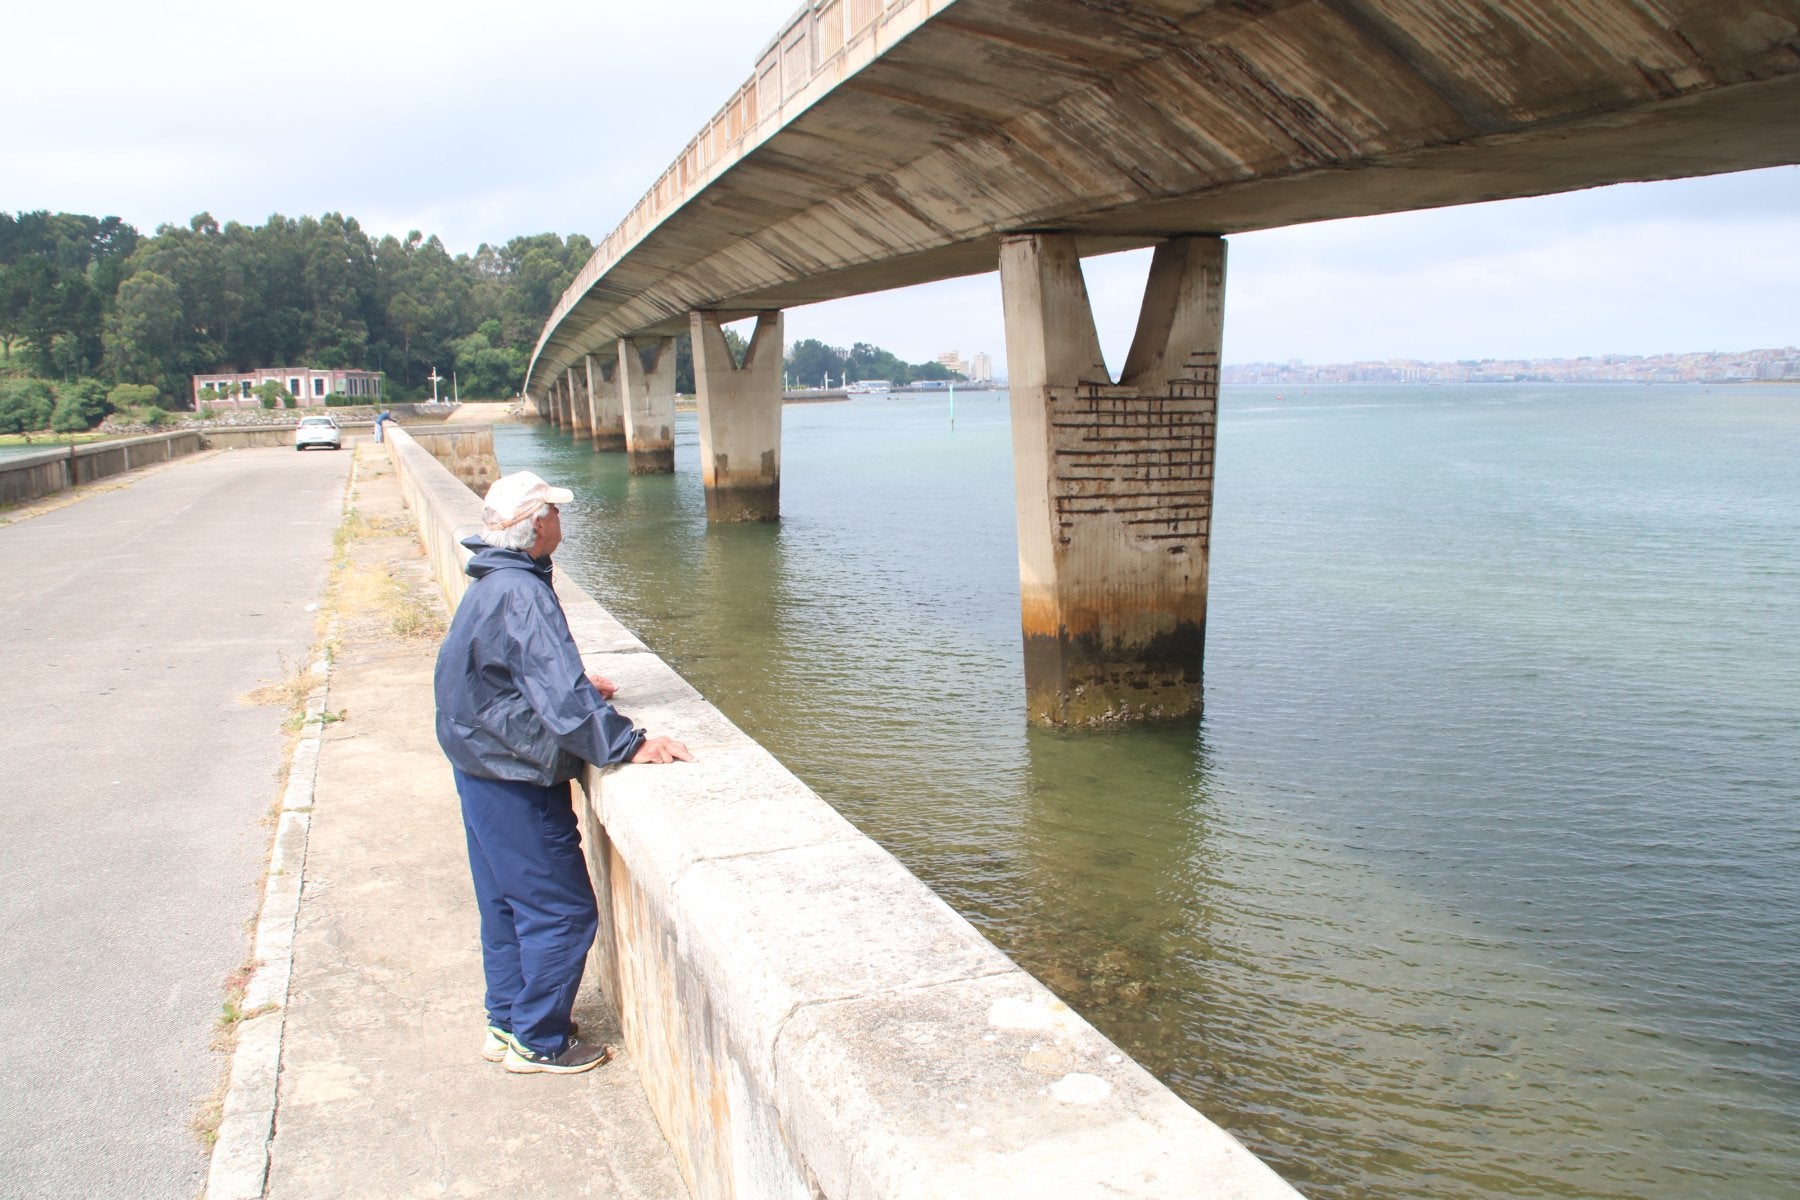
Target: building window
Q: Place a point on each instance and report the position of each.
(318, 386)
(294, 386)
(244, 388)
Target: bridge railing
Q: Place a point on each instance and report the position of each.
(807, 1017)
(823, 43)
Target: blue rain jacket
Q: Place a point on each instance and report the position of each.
(513, 700)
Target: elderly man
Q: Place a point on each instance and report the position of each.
(517, 714)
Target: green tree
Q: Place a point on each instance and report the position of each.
(16, 284)
(684, 364)
(80, 406)
(133, 395)
(405, 317)
(429, 301)
(58, 274)
(872, 362)
(25, 405)
(339, 279)
(143, 334)
(273, 395)
(529, 275)
(485, 370)
(810, 362)
(201, 297)
(208, 297)
(734, 342)
(932, 370)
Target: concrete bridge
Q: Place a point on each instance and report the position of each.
(880, 145)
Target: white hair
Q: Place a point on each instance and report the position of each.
(518, 536)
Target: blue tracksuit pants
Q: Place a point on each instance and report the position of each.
(538, 917)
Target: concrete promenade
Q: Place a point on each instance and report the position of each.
(382, 1090)
(134, 826)
(134, 782)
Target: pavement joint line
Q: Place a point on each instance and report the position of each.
(239, 1169)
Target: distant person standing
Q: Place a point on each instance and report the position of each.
(381, 418)
(517, 714)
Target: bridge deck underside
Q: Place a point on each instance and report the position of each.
(1128, 123)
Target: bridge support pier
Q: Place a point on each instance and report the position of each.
(580, 422)
(1114, 482)
(740, 419)
(559, 402)
(647, 396)
(605, 416)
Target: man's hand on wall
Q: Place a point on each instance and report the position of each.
(661, 750)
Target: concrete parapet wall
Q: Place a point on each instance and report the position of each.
(30, 477)
(809, 1019)
(443, 506)
(263, 436)
(466, 451)
(355, 429)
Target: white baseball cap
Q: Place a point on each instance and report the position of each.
(513, 498)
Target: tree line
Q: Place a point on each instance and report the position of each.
(810, 362)
(88, 304)
(95, 316)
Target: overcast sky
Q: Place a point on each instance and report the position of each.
(480, 122)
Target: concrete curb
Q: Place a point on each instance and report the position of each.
(240, 1157)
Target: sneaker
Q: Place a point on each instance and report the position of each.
(499, 1041)
(577, 1056)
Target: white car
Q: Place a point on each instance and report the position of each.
(318, 431)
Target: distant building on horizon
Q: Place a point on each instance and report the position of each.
(1774, 364)
(953, 359)
(308, 385)
(981, 368)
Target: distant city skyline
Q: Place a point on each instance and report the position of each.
(1634, 269)
(1771, 364)
(1774, 364)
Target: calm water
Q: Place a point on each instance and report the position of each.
(1481, 874)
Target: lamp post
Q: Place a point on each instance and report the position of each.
(435, 377)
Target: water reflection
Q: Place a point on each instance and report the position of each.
(1363, 1038)
(1110, 844)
